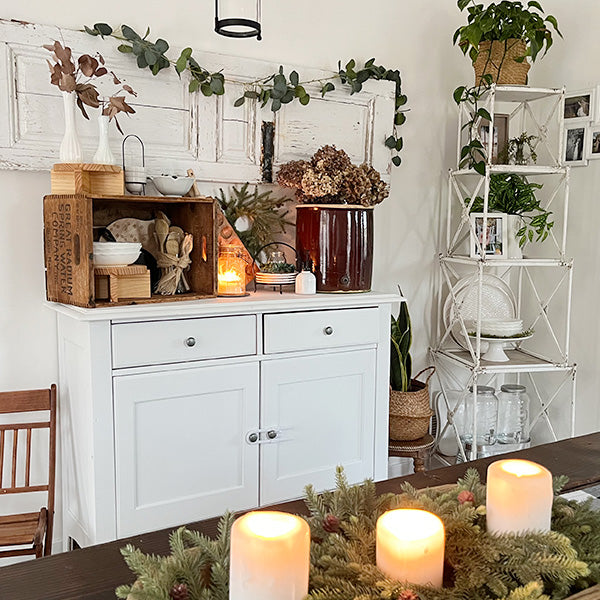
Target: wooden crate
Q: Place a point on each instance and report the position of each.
(87, 178)
(69, 222)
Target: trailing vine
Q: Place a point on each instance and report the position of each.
(277, 89)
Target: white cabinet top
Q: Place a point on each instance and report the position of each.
(256, 302)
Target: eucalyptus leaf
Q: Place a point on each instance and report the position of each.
(125, 49)
(239, 101)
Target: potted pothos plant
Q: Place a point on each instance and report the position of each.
(334, 217)
(514, 195)
(501, 37)
(410, 411)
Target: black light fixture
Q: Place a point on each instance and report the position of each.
(238, 18)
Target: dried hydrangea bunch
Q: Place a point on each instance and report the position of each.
(331, 178)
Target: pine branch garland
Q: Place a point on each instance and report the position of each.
(479, 565)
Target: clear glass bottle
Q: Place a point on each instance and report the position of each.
(487, 420)
(513, 414)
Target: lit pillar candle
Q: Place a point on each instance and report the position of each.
(519, 497)
(270, 557)
(410, 546)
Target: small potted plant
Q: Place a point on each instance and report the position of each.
(334, 217)
(516, 149)
(500, 37)
(409, 398)
(514, 195)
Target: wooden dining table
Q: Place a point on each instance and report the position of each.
(93, 573)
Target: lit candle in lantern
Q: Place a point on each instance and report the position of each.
(519, 496)
(270, 557)
(410, 546)
(231, 275)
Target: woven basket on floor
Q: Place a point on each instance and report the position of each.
(410, 411)
(498, 59)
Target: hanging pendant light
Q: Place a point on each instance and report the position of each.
(238, 18)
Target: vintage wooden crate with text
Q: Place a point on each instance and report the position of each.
(69, 224)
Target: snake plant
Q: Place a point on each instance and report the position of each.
(400, 359)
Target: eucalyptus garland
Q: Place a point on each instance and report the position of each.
(277, 89)
(479, 566)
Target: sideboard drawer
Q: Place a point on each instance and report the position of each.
(179, 340)
(287, 332)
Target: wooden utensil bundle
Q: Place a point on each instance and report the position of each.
(175, 247)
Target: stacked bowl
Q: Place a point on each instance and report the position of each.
(116, 254)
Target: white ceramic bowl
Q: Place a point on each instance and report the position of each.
(116, 254)
(171, 185)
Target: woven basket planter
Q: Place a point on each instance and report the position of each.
(498, 59)
(410, 412)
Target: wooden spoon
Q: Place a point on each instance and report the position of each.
(161, 228)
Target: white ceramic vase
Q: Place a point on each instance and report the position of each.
(103, 155)
(70, 148)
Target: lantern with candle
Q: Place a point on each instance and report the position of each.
(231, 275)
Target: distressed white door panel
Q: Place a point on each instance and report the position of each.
(180, 130)
(345, 124)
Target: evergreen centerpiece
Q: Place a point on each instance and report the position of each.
(334, 224)
(478, 565)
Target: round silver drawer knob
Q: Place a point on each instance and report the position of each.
(328, 330)
(190, 342)
(272, 434)
(253, 438)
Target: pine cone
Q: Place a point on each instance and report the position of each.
(465, 496)
(331, 524)
(179, 591)
(408, 595)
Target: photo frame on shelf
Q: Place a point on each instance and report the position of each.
(580, 105)
(496, 245)
(592, 148)
(500, 139)
(575, 144)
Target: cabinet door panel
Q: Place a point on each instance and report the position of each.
(181, 450)
(323, 409)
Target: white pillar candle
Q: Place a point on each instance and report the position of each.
(410, 546)
(519, 497)
(270, 557)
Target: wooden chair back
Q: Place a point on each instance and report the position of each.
(16, 477)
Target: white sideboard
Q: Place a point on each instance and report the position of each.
(175, 412)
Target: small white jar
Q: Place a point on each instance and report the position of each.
(306, 283)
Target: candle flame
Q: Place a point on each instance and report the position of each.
(229, 276)
(521, 468)
(410, 524)
(271, 524)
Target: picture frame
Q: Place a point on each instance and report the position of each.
(580, 106)
(496, 238)
(500, 140)
(575, 145)
(592, 148)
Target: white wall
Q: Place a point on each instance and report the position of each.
(416, 38)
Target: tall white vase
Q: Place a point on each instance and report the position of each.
(103, 154)
(70, 148)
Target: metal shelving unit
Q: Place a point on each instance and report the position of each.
(542, 283)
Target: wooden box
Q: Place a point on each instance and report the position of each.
(87, 178)
(69, 224)
(122, 283)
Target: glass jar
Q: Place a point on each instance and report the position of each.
(487, 420)
(231, 275)
(513, 414)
